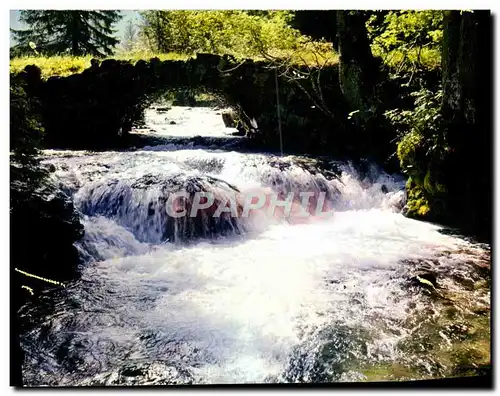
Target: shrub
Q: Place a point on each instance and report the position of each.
(422, 151)
(408, 40)
(419, 130)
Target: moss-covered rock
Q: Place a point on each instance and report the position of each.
(387, 372)
(417, 204)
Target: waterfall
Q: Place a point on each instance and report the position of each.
(229, 299)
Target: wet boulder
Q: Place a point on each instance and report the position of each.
(230, 118)
(159, 208)
(44, 228)
(426, 279)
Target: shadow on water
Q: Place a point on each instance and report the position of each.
(472, 235)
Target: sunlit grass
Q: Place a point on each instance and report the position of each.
(311, 54)
(65, 65)
(147, 55)
(52, 66)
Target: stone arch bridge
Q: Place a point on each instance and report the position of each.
(99, 106)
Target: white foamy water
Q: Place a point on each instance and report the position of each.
(178, 121)
(278, 302)
(245, 305)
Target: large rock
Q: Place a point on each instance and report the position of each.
(143, 206)
(230, 118)
(43, 231)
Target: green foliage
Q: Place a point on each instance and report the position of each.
(408, 40)
(409, 43)
(419, 130)
(66, 65)
(408, 148)
(421, 150)
(53, 65)
(75, 32)
(407, 28)
(238, 33)
(178, 35)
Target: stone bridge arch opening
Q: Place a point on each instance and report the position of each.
(100, 106)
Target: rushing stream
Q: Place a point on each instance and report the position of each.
(365, 294)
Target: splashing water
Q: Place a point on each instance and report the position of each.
(327, 300)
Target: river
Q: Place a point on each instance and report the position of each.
(343, 298)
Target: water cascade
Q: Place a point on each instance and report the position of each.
(362, 294)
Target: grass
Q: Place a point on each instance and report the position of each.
(52, 66)
(312, 54)
(65, 65)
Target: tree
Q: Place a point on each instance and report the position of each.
(232, 32)
(317, 24)
(74, 31)
(408, 41)
(357, 67)
(447, 149)
(466, 110)
(153, 28)
(130, 36)
(347, 32)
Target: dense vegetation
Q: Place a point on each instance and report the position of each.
(407, 40)
(220, 32)
(444, 137)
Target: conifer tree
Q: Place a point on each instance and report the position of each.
(78, 32)
(130, 36)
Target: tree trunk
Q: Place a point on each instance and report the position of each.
(159, 32)
(466, 110)
(357, 67)
(75, 33)
(359, 74)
